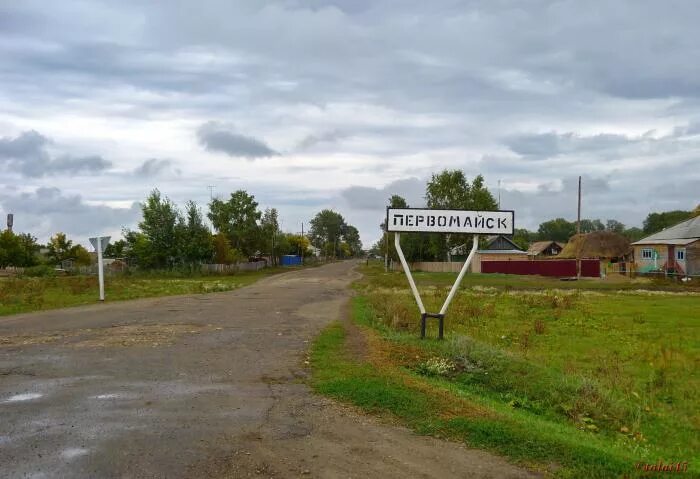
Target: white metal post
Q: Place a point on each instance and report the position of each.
(397, 243)
(100, 269)
(461, 275)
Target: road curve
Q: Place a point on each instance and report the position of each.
(199, 386)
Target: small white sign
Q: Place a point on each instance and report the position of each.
(104, 242)
(423, 220)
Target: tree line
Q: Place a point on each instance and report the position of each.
(450, 189)
(169, 237)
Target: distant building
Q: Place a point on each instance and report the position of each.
(545, 248)
(498, 248)
(673, 250)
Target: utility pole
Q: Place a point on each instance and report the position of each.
(578, 233)
(211, 192)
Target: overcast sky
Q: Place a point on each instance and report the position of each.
(339, 104)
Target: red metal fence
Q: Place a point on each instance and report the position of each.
(560, 268)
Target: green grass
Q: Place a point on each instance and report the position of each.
(22, 295)
(593, 380)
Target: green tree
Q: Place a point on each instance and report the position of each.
(556, 230)
(137, 249)
(10, 249)
(415, 246)
(270, 233)
(633, 234)
(158, 226)
(116, 249)
(80, 256)
(326, 232)
(351, 237)
(223, 253)
(18, 250)
(59, 248)
(589, 226)
(298, 245)
(238, 219)
(196, 245)
(615, 226)
(450, 189)
(655, 222)
(523, 237)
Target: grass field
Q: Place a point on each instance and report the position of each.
(22, 295)
(576, 379)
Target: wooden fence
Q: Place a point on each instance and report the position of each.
(116, 269)
(430, 266)
(233, 268)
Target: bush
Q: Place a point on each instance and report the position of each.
(40, 271)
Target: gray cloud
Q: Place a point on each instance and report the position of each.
(26, 154)
(215, 137)
(368, 198)
(328, 137)
(154, 167)
(48, 210)
(546, 145)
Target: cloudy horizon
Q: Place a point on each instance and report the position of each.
(340, 104)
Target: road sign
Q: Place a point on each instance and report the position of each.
(104, 240)
(423, 220)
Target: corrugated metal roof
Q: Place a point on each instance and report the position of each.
(501, 251)
(688, 229)
(679, 242)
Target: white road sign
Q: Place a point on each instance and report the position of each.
(423, 220)
(104, 242)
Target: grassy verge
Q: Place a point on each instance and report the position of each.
(573, 383)
(22, 295)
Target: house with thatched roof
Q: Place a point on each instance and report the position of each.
(673, 250)
(545, 248)
(610, 248)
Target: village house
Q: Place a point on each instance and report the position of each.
(540, 249)
(497, 248)
(674, 250)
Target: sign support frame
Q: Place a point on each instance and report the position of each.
(445, 221)
(441, 315)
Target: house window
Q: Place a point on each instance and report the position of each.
(680, 255)
(647, 253)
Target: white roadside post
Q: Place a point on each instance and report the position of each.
(100, 269)
(100, 244)
(422, 220)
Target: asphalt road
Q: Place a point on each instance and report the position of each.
(198, 386)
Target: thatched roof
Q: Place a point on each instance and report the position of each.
(599, 244)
